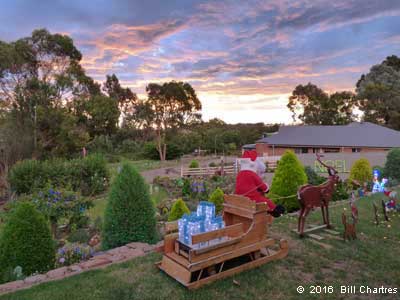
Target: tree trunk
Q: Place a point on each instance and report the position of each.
(161, 147)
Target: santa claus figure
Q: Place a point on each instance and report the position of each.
(250, 184)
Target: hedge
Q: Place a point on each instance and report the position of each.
(88, 175)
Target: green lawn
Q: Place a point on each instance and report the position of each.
(372, 260)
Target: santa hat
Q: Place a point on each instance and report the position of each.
(251, 162)
(252, 154)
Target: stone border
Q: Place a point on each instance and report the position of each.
(101, 260)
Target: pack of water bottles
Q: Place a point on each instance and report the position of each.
(203, 220)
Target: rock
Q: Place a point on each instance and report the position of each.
(136, 245)
(35, 278)
(149, 248)
(57, 273)
(95, 263)
(131, 253)
(74, 268)
(11, 286)
(118, 251)
(94, 241)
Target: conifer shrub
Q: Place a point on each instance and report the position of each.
(194, 164)
(289, 176)
(177, 210)
(129, 215)
(217, 197)
(26, 242)
(361, 171)
(392, 165)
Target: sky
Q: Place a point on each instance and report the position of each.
(243, 58)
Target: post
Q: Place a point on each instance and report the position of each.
(222, 165)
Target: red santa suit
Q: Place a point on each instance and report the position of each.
(249, 182)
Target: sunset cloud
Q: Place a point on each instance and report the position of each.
(243, 57)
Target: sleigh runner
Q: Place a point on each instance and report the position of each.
(243, 244)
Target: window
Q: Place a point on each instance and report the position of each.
(316, 150)
(331, 150)
(297, 150)
(355, 150)
(304, 150)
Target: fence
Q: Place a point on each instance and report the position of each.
(271, 161)
(208, 171)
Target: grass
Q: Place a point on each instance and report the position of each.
(371, 260)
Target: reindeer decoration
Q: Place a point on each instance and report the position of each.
(350, 228)
(311, 196)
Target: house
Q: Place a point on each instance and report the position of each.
(352, 138)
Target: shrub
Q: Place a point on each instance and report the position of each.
(186, 187)
(217, 197)
(129, 146)
(313, 177)
(129, 214)
(81, 236)
(61, 204)
(25, 175)
(177, 210)
(288, 177)
(392, 165)
(150, 151)
(88, 175)
(194, 164)
(361, 171)
(101, 144)
(340, 192)
(26, 241)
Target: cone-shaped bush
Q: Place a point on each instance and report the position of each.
(129, 215)
(288, 177)
(177, 210)
(217, 197)
(361, 171)
(26, 242)
(392, 165)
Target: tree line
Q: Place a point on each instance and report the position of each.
(377, 96)
(50, 107)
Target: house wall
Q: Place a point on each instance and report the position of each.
(269, 150)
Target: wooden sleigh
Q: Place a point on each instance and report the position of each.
(243, 244)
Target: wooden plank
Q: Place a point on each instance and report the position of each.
(235, 230)
(179, 259)
(175, 270)
(215, 246)
(323, 245)
(253, 264)
(238, 211)
(212, 260)
(330, 236)
(330, 231)
(314, 228)
(239, 201)
(169, 242)
(315, 236)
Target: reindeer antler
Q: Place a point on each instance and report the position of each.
(325, 165)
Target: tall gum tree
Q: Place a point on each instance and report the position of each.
(173, 104)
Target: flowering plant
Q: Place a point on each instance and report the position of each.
(73, 253)
(58, 204)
